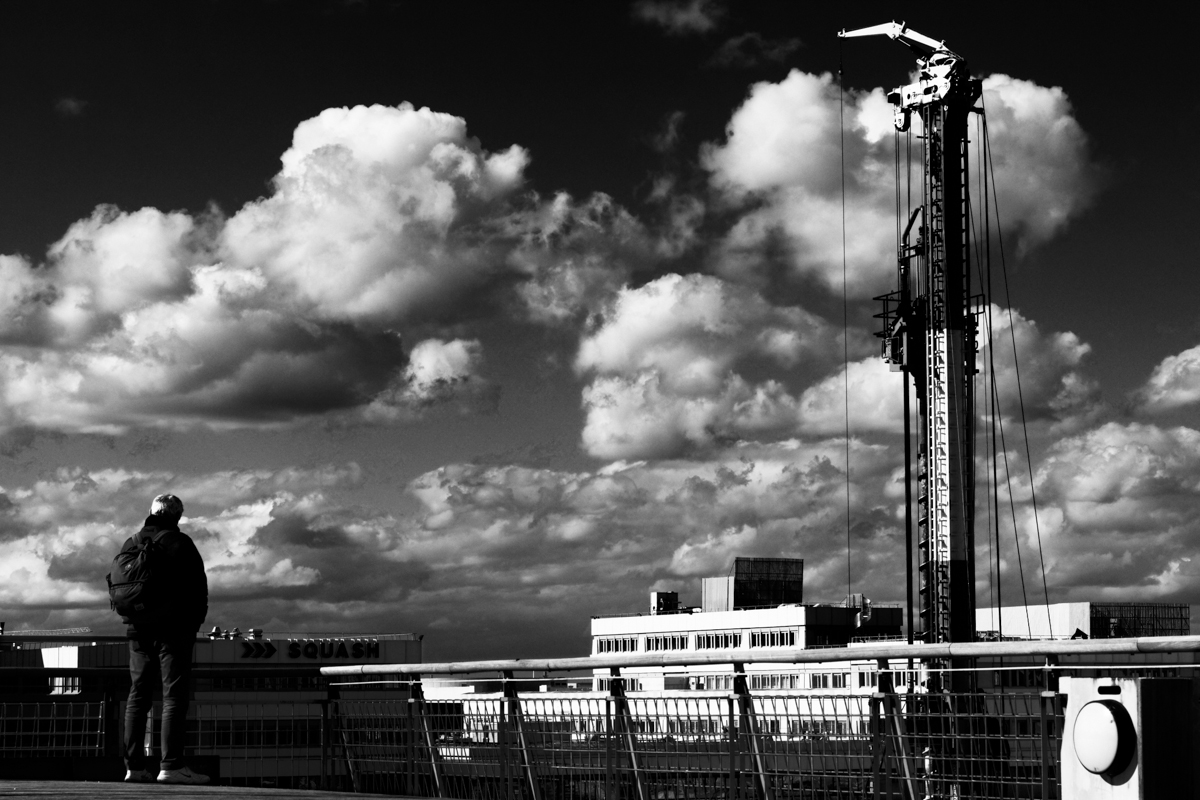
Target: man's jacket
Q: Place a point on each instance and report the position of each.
(186, 599)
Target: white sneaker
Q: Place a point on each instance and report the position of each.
(181, 775)
(139, 776)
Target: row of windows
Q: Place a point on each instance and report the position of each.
(773, 639)
(725, 640)
(715, 640)
(617, 644)
(673, 642)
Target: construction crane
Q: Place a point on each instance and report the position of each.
(929, 331)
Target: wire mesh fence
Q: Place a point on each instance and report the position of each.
(706, 746)
(73, 728)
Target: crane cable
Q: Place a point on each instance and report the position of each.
(1017, 369)
(845, 311)
(997, 422)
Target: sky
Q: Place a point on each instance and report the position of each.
(475, 320)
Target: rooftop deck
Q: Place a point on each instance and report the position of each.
(85, 790)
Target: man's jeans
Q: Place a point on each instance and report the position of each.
(148, 659)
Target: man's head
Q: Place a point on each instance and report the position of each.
(168, 506)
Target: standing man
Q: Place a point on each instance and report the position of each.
(162, 628)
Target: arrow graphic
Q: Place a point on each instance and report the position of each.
(258, 649)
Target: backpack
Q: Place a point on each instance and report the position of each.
(140, 567)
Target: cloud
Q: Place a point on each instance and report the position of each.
(574, 256)
(1053, 384)
(1044, 175)
(874, 398)
(378, 214)
(1174, 383)
(779, 167)
(267, 536)
(680, 17)
(68, 107)
(752, 48)
(665, 356)
(382, 219)
(1119, 507)
(440, 374)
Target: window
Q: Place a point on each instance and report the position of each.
(714, 682)
(829, 680)
(671, 642)
(773, 639)
(723, 640)
(776, 680)
(617, 644)
(631, 684)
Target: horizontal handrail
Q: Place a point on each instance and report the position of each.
(928, 652)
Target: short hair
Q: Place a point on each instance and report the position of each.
(167, 505)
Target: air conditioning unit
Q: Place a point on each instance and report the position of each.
(1128, 738)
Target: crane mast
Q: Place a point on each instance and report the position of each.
(929, 332)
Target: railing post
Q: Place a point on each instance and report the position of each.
(617, 692)
(734, 788)
(410, 746)
(878, 765)
(502, 741)
(1049, 700)
(609, 787)
(514, 701)
(741, 689)
(430, 743)
(895, 726)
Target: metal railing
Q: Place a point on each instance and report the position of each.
(52, 728)
(520, 745)
(259, 741)
(876, 743)
(860, 738)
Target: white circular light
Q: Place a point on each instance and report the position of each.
(1097, 737)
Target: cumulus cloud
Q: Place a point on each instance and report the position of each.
(680, 17)
(665, 356)
(439, 374)
(1174, 383)
(1053, 383)
(1044, 174)
(382, 219)
(780, 165)
(574, 256)
(371, 218)
(267, 536)
(873, 395)
(1119, 509)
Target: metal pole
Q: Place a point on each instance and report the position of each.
(502, 739)
(410, 746)
(617, 691)
(609, 789)
(510, 695)
(733, 753)
(908, 530)
(1047, 742)
(895, 721)
(877, 747)
(430, 744)
(748, 718)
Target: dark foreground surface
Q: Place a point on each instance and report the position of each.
(119, 791)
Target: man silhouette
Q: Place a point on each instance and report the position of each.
(160, 645)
